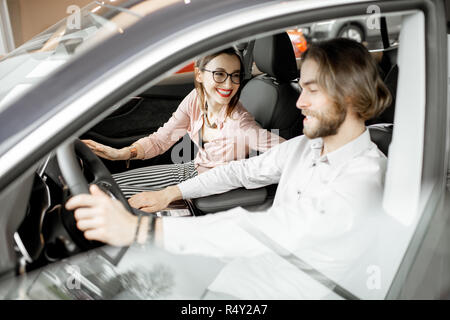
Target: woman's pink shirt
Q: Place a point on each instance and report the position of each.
(238, 134)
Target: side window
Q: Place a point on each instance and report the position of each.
(379, 33)
(366, 29)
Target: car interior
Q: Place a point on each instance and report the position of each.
(270, 93)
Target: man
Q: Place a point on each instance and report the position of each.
(330, 180)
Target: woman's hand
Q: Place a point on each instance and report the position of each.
(102, 218)
(107, 152)
(152, 201)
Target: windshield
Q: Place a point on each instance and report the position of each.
(36, 59)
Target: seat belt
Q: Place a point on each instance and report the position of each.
(384, 33)
(299, 263)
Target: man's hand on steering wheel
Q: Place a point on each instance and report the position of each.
(68, 160)
(102, 218)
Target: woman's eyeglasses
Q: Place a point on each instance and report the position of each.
(222, 76)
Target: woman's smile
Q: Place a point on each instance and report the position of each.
(225, 93)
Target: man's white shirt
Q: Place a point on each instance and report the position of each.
(324, 212)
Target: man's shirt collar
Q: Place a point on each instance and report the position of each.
(344, 153)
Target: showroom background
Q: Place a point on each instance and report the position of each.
(28, 18)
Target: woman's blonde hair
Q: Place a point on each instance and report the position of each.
(201, 63)
(349, 76)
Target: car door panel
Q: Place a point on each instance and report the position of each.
(137, 118)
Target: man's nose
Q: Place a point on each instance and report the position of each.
(302, 101)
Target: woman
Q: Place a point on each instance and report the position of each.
(214, 119)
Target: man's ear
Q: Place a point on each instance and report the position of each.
(198, 75)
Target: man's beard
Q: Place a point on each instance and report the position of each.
(328, 123)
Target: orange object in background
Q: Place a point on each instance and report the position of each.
(298, 41)
(188, 68)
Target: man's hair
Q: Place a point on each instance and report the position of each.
(348, 74)
(201, 64)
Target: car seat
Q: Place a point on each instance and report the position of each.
(381, 127)
(271, 97)
(381, 135)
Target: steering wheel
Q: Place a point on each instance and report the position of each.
(68, 157)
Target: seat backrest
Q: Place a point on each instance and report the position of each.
(381, 135)
(271, 96)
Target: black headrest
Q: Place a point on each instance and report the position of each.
(381, 135)
(275, 56)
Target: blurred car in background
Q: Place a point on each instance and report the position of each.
(357, 28)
